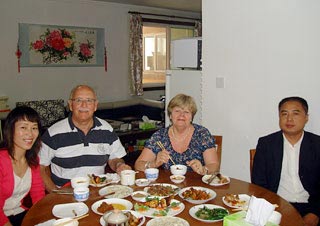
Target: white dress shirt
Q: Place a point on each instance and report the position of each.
(290, 186)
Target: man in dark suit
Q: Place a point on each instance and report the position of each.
(287, 162)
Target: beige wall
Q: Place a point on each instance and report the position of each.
(265, 50)
(56, 82)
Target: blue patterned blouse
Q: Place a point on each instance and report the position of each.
(201, 140)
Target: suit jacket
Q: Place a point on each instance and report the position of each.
(267, 165)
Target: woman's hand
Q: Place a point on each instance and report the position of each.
(162, 157)
(196, 166)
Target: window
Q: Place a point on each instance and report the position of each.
(156, 50)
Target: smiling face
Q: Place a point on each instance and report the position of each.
(181, 116)
(83, 104)
(292, 118)
(25, 134)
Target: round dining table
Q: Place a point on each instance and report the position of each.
(42, 210)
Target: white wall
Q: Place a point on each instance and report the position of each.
(265, 51)
(55, 82)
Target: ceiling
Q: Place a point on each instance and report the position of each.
(184, 5)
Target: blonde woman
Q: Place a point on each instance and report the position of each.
(185, 142)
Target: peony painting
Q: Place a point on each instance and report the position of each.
(51, 45)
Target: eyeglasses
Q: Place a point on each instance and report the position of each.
(88, 101)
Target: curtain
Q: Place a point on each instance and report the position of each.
(136, 57)
(198, 29)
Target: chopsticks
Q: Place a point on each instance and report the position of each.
(69, 221)
(163, 148)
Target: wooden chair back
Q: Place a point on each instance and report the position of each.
(252, 153)
(218, 140)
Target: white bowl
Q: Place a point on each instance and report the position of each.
(78, 182)
(177, 179)
(178, 169)
(152, 174)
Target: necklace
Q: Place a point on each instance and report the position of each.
(180, 139)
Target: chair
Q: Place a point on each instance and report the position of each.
(50, 111)
(218, 140)
(252, 153)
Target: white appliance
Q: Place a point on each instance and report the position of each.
(188, 82)
(186, 53)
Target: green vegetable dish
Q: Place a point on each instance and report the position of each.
(211, 214)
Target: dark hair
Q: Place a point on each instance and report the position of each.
(302, 101)
(17, 114)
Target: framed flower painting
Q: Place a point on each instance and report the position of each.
(51, 45)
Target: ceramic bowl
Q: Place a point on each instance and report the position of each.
(178, 169)
(81, 194)
(177, 179)
(152, 174)
(78, 182)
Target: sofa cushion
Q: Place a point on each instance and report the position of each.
(50, 111)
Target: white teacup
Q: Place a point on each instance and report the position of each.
(152, 174)
(128, 177)
(81, 194)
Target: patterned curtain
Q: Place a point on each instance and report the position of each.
(198, 29)
(136, 63)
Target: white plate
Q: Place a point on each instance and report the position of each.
(142, 182)
(139, 199)
(134, 213)
(214, 183)
(152, 212)
(194, 209)
(176, 221)
(112, 178)
(209, 191)
(121, 191)
(163, 184)
(66, 210)
(124, 202)
(242, 197)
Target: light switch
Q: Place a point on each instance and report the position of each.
(220, 82)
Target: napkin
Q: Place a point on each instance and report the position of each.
(259, 211)
(47, 223)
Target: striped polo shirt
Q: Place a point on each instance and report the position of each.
(71, 153)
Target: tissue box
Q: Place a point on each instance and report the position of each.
(147, 125)
(238, 219)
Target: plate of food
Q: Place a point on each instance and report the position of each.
(142, 182)
(139, 196)
(208, 213)
(103, 179)
(102, 206)
(134, 218)
(236, 200)
(197, 195)
(70, 210)
(162, 190)
(176, 221)
(159, 207)
(218, 180)
(116, 191)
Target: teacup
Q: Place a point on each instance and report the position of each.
(152, 174)
(128, 177)
(81, 194)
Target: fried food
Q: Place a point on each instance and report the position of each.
(132, 220)
(105, 207)
(196, 194)
(161, 190)
(234, 199)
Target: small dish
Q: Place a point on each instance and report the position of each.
(178, 169)
(216, 182)
(120, 191)
(177, 179)
(168, 220)
(142, 182)
(193, 210)
(134, 213)
(139, 196)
